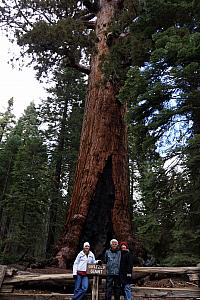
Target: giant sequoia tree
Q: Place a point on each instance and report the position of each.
(79, 34)
(99, 204)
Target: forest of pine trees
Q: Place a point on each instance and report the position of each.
(38, 157)
(152, 67)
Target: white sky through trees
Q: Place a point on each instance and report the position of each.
(19, 84)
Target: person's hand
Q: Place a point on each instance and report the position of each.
(99, 262)
(74, 276)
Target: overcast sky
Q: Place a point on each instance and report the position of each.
(21, 85)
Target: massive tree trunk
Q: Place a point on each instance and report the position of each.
(99, 207)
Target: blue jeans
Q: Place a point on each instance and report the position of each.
(127, 292)
(81, 286)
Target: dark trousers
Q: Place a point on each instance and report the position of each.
(113, 281)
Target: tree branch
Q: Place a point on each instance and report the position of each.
(88, 17)
(91, 7)
(47, 18)
(79, 67)
(23, 15)
(111, 37)
(70, 61)
(90, 25)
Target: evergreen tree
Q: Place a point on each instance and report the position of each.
(164, 113)
(25, 203)
(57, 31)
(160, 40)
(6, 120)
(7, 157)
(61, 115)
(8, 148)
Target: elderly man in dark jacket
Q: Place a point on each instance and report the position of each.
(112, 260)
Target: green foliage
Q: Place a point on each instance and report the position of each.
(25, 194)
(67, 94)
(135, 26)
(154, 56)
(163, 104)
(180, 254)
(37, 165)
(61, 115)
(6, 120)
(49, 31)
(181, 260)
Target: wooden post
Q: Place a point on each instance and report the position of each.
(95, 288)
(2, 274)
(97, 295)
(96, 271)
(198, 265)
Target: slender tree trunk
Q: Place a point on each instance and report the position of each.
(7, 119)
(99, 207)
(3, 215)
(2, 127)
(54, 205)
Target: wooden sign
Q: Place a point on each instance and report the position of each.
(94, 269)
(2, 274)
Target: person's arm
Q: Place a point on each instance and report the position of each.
(94, 261)
(106, 257)
(75, 265)
(129, 263)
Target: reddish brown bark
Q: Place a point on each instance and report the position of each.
(99, 207)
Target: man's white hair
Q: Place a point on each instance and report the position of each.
(113, 241)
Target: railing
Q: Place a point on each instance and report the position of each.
(193, 274)
(9, 281)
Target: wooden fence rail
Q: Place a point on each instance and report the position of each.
(167, 270)
(151, 292)
(9, 280)
(68, 277)
(138, 293)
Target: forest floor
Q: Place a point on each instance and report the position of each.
(169, 283)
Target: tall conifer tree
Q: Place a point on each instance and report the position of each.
(6, 120)
(61, 115)
(78, 31)
(164, 111)
(25, 201)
